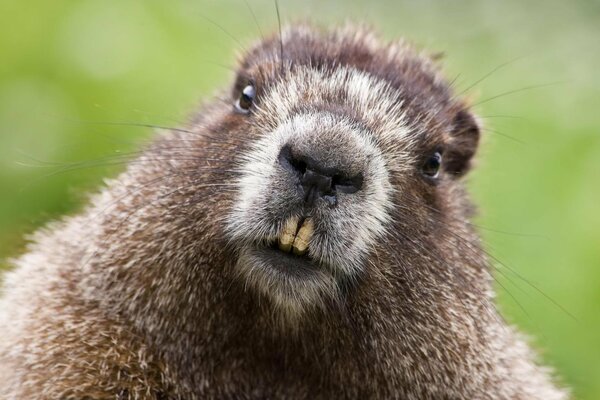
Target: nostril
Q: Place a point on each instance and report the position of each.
(298, 165)
(338, 180)
(289, 162)
(345, 184)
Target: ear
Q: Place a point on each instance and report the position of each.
(464, 138)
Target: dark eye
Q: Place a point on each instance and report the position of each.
(244, 102)
(431, 167)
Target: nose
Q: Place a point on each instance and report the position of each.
(317, 181)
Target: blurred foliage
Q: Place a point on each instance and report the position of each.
(71, 68)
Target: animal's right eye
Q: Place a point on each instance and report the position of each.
(431, 167)
(244, 102)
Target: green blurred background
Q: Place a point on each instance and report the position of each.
(69, 67)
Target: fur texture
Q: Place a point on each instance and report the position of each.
(159, 289)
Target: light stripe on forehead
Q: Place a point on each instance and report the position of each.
(376, 102)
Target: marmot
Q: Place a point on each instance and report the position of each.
(305, 236)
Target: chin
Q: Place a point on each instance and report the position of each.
(294, 284)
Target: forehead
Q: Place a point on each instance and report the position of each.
(397, 63)
(387, 80)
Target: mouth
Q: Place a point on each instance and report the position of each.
(289, 252)
(286, 269)
(296, 235)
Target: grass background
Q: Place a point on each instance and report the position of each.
(66, 65)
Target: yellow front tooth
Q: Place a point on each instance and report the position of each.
(303, 237)
(285, 247)
(299, 252)
(286, 239)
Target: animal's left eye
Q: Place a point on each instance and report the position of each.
(431, 167)
(244, 102)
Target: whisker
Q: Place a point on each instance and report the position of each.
(497, 132)
(225, 31)
(502, 232)
(503, 116)
(450, 231)
(224, 66)
(469, 223)
(117, 229)
(137, 124)
(523, 89)
(488, 74)
(481, 298)
(280, 35)
(255, 19)
(113, 162)
(452, 83)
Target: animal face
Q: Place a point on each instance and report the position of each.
(355, 145)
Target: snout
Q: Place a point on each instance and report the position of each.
(313, 199)
(317, 180)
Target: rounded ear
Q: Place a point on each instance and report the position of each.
(464, 138)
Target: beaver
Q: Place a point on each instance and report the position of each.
(306, 235)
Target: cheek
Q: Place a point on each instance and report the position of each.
(439, 199)
(430, 197)
(419, 192)
(430, 210)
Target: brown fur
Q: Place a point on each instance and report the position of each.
(140, 297)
